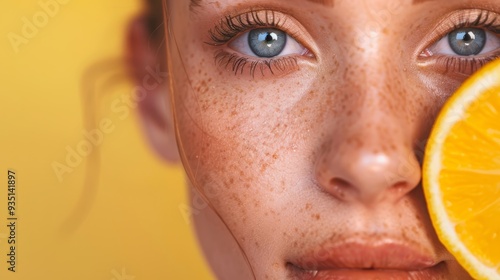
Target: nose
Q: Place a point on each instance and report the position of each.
(368, 165)
(369, 156)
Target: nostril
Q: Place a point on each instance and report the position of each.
(400, 187)
(339, 182)
(339, 187)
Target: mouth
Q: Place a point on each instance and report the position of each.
(362, 260)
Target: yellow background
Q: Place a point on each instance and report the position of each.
(134, 228)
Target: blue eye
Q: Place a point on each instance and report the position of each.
(267, 43)
(467, 41)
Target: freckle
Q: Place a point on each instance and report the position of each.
(308, 206)
(404, 235)
(264, 167)
(414, 229)
(237, 199)
(341, 195)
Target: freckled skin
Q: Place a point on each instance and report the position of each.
(315, 155)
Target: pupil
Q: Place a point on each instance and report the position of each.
(468, 37)
(269, 38)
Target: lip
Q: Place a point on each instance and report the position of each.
(375, 259)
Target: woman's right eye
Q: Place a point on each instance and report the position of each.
(267, 43)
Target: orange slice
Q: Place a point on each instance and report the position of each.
(461, 174)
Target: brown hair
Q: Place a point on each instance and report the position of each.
(98, 78)
(153, 14)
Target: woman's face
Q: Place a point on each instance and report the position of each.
(303, 123)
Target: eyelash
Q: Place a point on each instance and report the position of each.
(480, 21)
(468, 65)
(231, 26)
(238, 64)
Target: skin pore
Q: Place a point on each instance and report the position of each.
(316, 152)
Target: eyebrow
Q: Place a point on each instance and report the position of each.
(415, 2)
(328, 3)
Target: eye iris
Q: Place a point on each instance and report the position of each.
(467, 41)
(267, 42)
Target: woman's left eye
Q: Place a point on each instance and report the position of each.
(468, 41)
(267, 43)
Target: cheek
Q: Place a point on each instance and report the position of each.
(245, 142)
(434, 90)
(234, 136)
